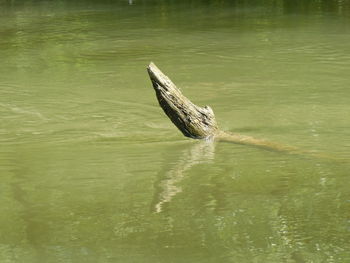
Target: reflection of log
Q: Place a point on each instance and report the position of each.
(201, 152)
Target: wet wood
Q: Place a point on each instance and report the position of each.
(193, 121)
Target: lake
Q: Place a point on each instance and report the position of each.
(92, 170)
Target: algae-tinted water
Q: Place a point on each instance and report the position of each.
(91, 170)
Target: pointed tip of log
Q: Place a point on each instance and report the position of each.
(158, 78)
(152, 67)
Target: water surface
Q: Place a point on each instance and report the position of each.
(91, 170)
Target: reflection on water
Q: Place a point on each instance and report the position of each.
(91, 170)
(201, 152)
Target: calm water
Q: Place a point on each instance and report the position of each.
(91, 170)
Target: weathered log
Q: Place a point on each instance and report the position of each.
(193, 121)
(199, 123)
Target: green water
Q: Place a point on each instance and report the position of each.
(91, 170)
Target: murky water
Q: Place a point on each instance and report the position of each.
(91, 170)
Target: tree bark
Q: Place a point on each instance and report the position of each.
(193, 121)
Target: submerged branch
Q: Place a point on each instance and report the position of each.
(199, 123)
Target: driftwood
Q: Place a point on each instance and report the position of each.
(199, 122)
(191, 120)
(194, 121)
